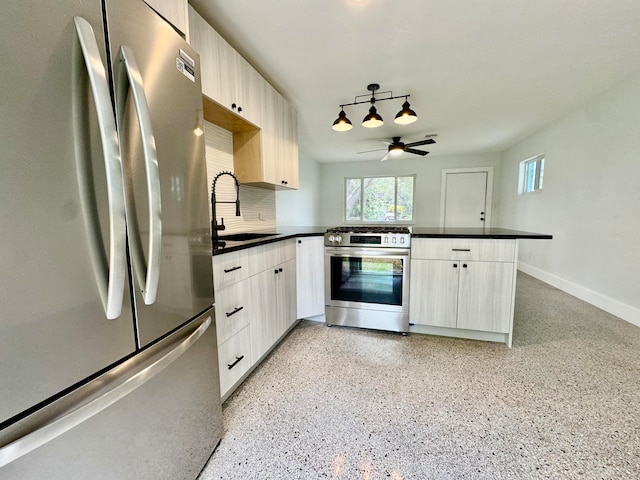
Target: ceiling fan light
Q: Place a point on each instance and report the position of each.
(396, 148)
(372, 120)
(342, 123)
(406, 115)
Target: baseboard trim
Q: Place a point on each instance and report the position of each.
(608, 304)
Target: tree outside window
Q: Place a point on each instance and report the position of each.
(379, 199)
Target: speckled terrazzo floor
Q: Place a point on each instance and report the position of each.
(339, 403)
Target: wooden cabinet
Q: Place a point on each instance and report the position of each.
(255, 295)
(266, 145)
(273, 294)
(234, 359)
(174, 11)
(227, 78)
(464, 285)
(310, 276)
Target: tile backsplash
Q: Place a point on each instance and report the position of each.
(257, 205)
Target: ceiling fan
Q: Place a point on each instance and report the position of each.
(396, 147)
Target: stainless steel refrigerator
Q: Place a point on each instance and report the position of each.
(108, 359)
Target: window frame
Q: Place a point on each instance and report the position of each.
(395, 201)
(538, 162)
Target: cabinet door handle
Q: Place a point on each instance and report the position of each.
(464, 265)
(279, 270)
(460, 249)
(232, 269)
(228, 314)
(455, 265)
(238, 359)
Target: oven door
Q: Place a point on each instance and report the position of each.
(367, 278)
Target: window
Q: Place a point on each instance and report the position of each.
(379, 199)
(531, 175)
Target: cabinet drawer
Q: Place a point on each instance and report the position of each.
(229, 268)
(234, 358)
(232, 310)
(264, 257)
(485, 250)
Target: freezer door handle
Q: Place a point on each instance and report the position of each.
(130, 80)
(110, 273)
(81, 404)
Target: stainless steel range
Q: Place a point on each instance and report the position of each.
(367, 277)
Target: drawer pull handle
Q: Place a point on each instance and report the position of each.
(460, 249)
(228, 314)
(232, 269)
(238, 359)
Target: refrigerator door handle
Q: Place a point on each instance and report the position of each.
(110, 273)
(147, 274)
(90, 399)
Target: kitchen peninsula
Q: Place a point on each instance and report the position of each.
(462, 284)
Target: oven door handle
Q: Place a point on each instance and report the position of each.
(366, 252)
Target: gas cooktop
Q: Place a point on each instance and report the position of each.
(369, 229)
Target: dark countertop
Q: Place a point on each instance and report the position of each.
(284, 233)
(505, 233)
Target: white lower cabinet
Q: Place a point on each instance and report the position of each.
(234, 359)
(454, 294)
(463, 287)
(256, 310)
(310, 276)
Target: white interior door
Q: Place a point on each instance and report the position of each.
(466, 198)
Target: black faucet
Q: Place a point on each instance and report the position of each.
(215, 228)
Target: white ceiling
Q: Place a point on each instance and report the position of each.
(481, 74)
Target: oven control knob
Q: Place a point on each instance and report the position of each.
(401, 239)
(331, 238)
(338, 238)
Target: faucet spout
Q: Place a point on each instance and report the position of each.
(215, 227)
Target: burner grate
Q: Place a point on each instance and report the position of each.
(369, 229)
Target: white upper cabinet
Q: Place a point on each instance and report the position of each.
(227, 78)
(174, 11)
(231, 82)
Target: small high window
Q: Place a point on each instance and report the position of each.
(379, 199)
(531, 175)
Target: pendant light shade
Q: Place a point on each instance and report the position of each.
(406, 115)
(342, 123)
(372, 120)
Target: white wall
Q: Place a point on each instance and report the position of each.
(428, 172)
(590, 202)
(301, 207)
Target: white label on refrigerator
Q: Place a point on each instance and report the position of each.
(186, 69)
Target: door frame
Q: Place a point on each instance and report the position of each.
(489, 192)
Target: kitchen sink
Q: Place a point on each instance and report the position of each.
(243, 237)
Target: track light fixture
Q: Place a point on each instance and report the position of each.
(373, 119)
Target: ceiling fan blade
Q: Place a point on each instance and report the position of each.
(416, 152)
(369, 151)
(427, 141)
(386, 157)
